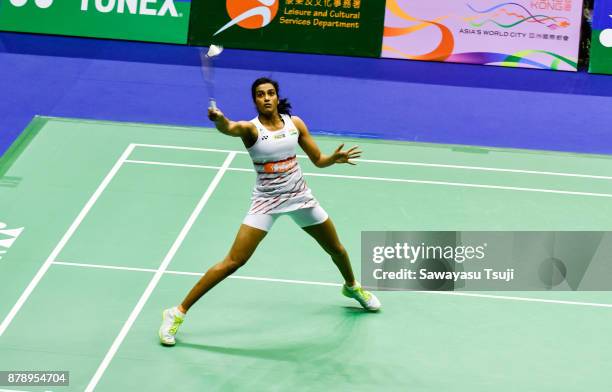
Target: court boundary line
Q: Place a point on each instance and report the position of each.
(65, 238)
(305, 282)
(404, 180)
(158, 274)
(407, 163)
(172, 272)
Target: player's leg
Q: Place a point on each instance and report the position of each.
(325, 234)
(245, 243)
(242, 249)
(315, 222)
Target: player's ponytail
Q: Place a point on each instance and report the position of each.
(284, 106)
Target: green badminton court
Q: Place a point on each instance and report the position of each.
(105, 224)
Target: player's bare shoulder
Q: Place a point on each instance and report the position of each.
(300, 125)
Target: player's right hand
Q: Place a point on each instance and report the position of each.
(214, 114)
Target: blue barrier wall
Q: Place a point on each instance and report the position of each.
(378, 98)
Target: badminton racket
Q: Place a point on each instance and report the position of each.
(208, 71)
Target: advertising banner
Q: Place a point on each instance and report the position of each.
(601, 40)
(344, 27)
(138, 20)
(524, 33)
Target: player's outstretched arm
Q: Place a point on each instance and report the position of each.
(228, 127)
(311, 149)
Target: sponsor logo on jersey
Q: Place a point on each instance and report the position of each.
(280, 166)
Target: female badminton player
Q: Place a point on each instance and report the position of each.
(271, 139)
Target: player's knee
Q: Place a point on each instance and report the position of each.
(336, 250)
(233, 263)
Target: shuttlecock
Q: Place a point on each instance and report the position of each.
(214, 50)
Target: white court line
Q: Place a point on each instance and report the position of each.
(464, 185)
(158, 274)
(407, 163)
(58, 248)
(169, 147)
(292, 281)
(101, 266)
(305, 282)
(525, 299)
(170, 272)
(177, 165)
(484, 168)
(427, 182)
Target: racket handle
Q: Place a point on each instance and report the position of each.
(213, 104)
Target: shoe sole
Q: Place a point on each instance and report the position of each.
(362, 305)
(163, 343)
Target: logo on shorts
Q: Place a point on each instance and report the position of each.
(250, 14)
(39, 3)
(8, 238)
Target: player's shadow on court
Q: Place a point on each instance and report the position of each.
(285, 353)
(311, 346)
(358, 311)
(307, 362)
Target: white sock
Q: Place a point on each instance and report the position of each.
(177, 312)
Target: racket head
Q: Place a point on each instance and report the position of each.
(206, 59)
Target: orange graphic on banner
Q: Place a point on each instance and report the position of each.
(258, 12)
(440, 53)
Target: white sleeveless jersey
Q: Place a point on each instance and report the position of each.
(280, 185)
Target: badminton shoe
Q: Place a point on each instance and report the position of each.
(171, 320)
(364, 297)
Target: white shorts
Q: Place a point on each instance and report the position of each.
(304, 217)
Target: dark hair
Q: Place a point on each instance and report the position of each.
(284, 106)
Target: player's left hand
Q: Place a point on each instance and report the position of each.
(340, 156)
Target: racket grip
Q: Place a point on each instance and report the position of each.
(213, 104)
